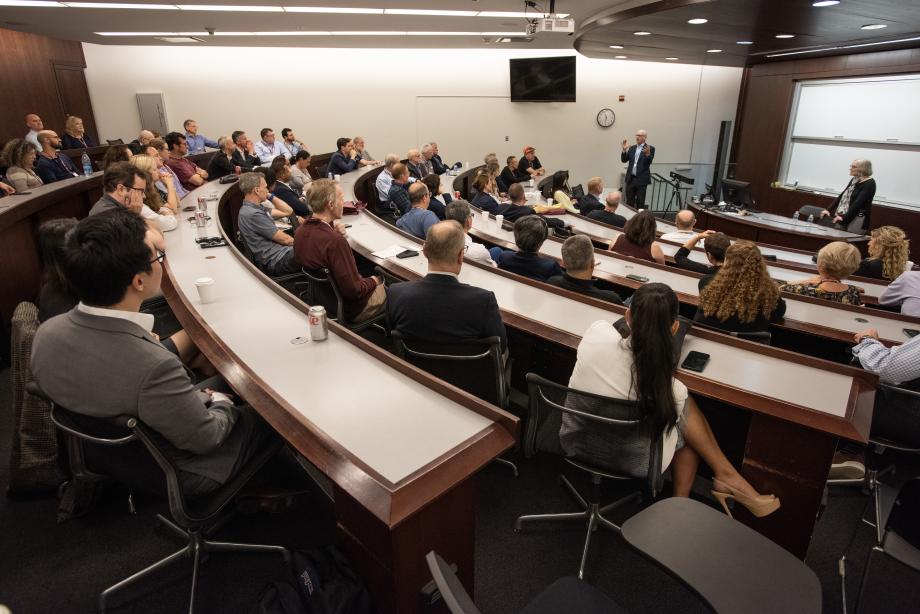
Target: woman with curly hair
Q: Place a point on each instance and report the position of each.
(155, 208)
(741, 297)
(19, 156)
(888, 253)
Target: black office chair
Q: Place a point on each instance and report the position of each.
(476, 366)
(807, 210)
(322, 290)
(895, 426)
(602, 436)
(564, 595)
(764, 337)
(732, 567)
(115, 141)
(322, 171)
(900, 538)
(195, 520)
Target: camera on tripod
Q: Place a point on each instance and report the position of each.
(681, 178)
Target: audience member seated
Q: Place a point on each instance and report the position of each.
(484, 186)
(440, 198)
(345, 159)
(19, 158)
(244, 156)
(278, 209)
(419, 309)
(888, 254)
(101, 359)
(35, 125)
(56, 295)
(685, 221)
(417, 166)
(518, 206)
(300, 171)
(529, 166)
(494, 172)
(158, 147)
(320, 243)
(904, 292)
(640, 367)
(836, 262)
(190, 174)
(6, 189)
(591, 201)
(160, 207)
(141, 142)
(385, 178)
(117, 153)
(437, 164)
(290, 143)
(896, 365)
(578, 261)
(52, 166)
(460, 212)
(268, 148)
(714, 247)
(364, 157)
(124, 187)
(741, 297)
(509, 174)
(608, 214)
(221, 163)
(638, 239)
(284, 189)
(418, 219)
(197, 143)
(427, 156)
(271, 248)
(75, 136)
(529, 234)
(398, 196)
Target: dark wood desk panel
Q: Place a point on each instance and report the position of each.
(317, 162)
(366, 188)
(464, 181)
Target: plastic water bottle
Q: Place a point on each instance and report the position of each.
(811, 218)
(87, 164)
(795, 218)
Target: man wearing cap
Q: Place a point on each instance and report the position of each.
(529, 167)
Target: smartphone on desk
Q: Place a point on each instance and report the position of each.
(695, 361)
(409, 253)
(638, 278)
(911, 332)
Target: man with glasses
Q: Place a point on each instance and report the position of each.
(460, 212)
(272, 249)
(101, 358)
(638, 159)
(124, 187)
(268, 148)
(439, 308)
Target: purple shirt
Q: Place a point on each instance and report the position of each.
(904, 291)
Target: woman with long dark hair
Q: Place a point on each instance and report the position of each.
(640, 366)
(56, 295)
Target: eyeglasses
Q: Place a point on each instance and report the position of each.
(159, 258)
(131, 187)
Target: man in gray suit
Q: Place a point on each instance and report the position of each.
(101, 358)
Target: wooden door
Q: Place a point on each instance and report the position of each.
(74, 96)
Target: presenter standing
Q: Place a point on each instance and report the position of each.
(851, 209)
(638, 176)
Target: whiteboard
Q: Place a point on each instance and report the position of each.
(880, 109)
(826, 166)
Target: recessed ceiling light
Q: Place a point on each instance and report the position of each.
(430, 12)
(180, 39)
(30, 3)
(697, 21)
(744, 42)
(672, 59)
(641, 33)
(331, 9)
(231, 8)
(825, 2)
(785, 35)
(616, 46)
(713, 51)
(873, 26)
(119, 5)
(620, 57)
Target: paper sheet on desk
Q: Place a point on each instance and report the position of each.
(389, 252)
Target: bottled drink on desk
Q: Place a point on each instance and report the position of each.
(811, 218)
(87, 164)
(795, 218)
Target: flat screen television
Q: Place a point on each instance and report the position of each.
(543, 79)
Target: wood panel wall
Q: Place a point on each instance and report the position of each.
(763, 116)
(29, 83)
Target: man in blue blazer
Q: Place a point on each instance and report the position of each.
(639, 159)
(438, 307)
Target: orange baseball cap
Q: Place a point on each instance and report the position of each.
(529, 149)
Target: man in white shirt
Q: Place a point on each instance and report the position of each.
(385, 179)
(685, 220)
(268, 148)
(35, 125)
(459, 211)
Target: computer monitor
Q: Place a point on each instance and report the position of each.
(737, 193)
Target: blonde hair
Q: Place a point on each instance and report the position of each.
(742, 287)
(891, 247)
(838, 259)
(148, 166)
(70, 122)
(594, 184)
(863, 167)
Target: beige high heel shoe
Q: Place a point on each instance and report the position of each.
(760, 506)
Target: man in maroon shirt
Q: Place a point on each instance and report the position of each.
(190, 175)
(318, 244)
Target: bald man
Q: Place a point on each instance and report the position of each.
(609, 215)
(638, 159)
(684, 220)
(139, 145)
(35, 125)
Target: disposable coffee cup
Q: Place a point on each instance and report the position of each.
(205, 287)
(484, 214)
(499, 219)
(530, 183)
(337, 177)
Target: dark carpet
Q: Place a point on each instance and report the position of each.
(47, 567)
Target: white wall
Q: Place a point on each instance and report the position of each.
(398, 99)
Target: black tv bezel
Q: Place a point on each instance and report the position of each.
(553, 57)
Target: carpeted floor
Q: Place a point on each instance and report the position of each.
(48, 568)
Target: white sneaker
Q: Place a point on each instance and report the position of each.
(848, 470)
